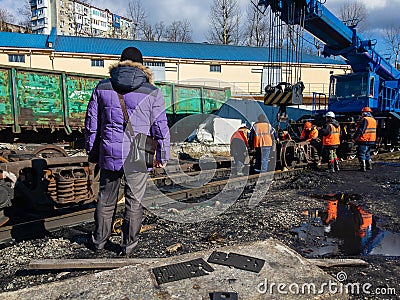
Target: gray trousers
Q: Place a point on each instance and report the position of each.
(134, 191)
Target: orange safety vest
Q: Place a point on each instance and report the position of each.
(366, 222)
(262, 135)
(333, 138)
(241, 134)
(284, 136)
(311, 134)
(332, 211)
(369, 134)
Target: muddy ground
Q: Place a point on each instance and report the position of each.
(287, 205)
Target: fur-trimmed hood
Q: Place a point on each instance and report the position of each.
(127, 75)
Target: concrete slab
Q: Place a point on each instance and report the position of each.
(285, 275)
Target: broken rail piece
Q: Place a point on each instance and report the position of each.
(87, 263)
(337, 262)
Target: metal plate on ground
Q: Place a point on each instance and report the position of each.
(238, 261)
(224, 296)
(193, 268)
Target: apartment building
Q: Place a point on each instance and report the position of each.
(72, 17)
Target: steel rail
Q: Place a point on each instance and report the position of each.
(42, 226)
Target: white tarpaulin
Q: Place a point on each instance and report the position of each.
(217, 130)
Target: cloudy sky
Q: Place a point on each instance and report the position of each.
(381, 13)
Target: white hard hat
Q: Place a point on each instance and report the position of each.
(330, 114)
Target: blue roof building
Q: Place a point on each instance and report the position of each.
(197, 51)
(170, 61)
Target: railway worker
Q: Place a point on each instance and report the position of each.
(104, 135)
(239, 148)
(262, 136)
(284, 135)
(365, 138)
(310, 134)
(331, 140)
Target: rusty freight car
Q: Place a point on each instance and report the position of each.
(52, 104)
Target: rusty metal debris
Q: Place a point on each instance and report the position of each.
(148, 227)
(173, 248)
(214, 237)
(117, 225)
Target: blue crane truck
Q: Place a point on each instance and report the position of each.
(374, 82)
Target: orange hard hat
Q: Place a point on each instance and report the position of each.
(307, 125)
(366, 109)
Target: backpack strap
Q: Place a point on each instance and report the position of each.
(126, 116)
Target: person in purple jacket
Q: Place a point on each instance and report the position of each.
(105, 138)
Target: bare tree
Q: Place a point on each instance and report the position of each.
(179, 31)
(186, 31)
(138, 15)
(148, 32)
(159, 31)
(6, 17)
(224, 22)
(256, 27)
(25, 14)
(392, 39)
(172, 33)
(353, 13)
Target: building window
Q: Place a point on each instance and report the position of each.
(40, 2)
(16, 58)
(154, 64)
(97, 63)
(215, 68)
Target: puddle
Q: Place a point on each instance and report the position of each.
(344, 228)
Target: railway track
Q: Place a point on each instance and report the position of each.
(179, 197)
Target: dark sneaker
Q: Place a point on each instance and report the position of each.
(123, 253)
(91, 246)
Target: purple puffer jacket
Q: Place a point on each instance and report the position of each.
(106, 142)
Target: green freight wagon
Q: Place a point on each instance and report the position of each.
(55, 102)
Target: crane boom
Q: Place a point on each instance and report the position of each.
(339, 39)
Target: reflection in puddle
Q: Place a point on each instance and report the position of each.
(344, 228)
